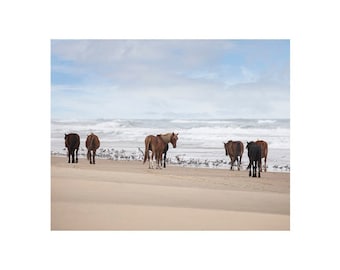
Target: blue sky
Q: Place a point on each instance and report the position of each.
(170, 79)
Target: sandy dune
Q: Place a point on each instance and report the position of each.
(126, 195)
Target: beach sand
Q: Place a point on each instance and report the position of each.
(126, 195)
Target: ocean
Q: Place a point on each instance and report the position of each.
(200, 142)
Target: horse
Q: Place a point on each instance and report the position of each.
(234, 149)
(72, 142)
(166, 138)
(254, 154)
(264, 152)
(92, 144)
(157, 144)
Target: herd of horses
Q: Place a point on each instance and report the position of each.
(256, 151)
(159, 145)
(72, 142)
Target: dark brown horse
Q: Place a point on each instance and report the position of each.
(157, 145)
(72, 142)
(254, 154)
(235, 150)
(264, 152)
(92, 144)
(164, 152)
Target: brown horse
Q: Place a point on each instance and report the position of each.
(234, 149)
(72, 142)
(157, 145)
(264, 152)
(167, 138)
(92, 144)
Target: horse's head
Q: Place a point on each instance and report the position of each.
(248, 144)
(226, 148)
(66, 135)
(173, 139)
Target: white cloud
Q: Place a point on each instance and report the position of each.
(135, 77)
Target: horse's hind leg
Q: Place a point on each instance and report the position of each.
(72, 154)
(254, 169)
(164, 159)
(92, 157)
(77, 155)
(264, 167)
(147, 156)
(158, 160)
(150, 162)
(94, 154)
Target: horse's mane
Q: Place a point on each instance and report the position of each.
(166, 137)
(166, 134)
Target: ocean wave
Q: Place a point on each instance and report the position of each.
(206, 122)
(268, 121)
(198, 139)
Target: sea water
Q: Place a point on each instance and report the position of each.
(200, 142)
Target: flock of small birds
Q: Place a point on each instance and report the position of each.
(114, 154)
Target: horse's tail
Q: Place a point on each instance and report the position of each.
(147, 146)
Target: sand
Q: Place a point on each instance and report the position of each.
(126, 195)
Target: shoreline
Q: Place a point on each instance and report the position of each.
(126, 195)
(223, 164)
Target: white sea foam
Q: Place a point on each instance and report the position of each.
(267, 121)
(200, 141)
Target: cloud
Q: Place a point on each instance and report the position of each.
(131, 78)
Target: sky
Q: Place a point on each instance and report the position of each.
(170, 79)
